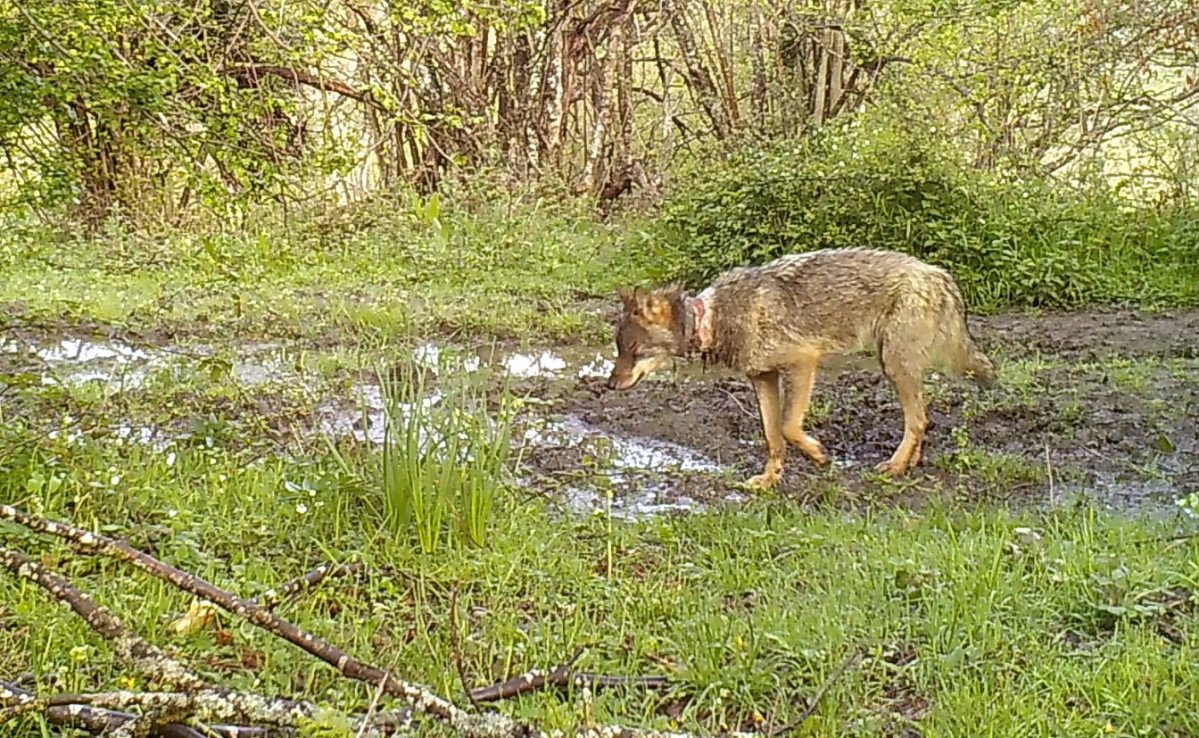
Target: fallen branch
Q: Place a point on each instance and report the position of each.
(527, 682)
(105, 722)
(422, 700)
(561, 677)
(205, 705)
(220, 705)
(272, 598)
(147, 657)
(200, 703)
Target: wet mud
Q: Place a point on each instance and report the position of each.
(1099, 405)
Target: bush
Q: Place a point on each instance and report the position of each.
(1008, 241)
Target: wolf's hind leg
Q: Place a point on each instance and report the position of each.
(905, 365)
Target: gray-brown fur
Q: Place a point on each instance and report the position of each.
(773, 322)
(838, 301)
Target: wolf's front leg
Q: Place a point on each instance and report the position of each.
(801, 377)
(766, 387)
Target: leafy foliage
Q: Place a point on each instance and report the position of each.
(1009, 239)
(132, 105)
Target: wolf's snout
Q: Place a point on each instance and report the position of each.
(611, 383)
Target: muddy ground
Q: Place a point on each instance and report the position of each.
(1101, 403)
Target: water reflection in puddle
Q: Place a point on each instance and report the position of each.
(624, 452)
(634, 505)
(642, 473)
(367, 421)
(80, 360)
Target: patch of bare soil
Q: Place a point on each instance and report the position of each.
(1108, 410)
(1093, 334)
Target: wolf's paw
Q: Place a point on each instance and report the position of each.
(763, 481)
(892, 468)
(810, 447)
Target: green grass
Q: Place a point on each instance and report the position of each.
(375, 272)
(970, 624)
(971, 620)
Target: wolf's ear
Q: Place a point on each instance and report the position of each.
(672, 292)
(627, 298)
(641, 301)
(658, 306)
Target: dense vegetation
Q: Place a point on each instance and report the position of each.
(1010, 239)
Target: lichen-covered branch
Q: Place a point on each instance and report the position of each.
(273, 597)
(105, 722)
(148, 658)
(422, 700)
(204, 706)
(537, 679)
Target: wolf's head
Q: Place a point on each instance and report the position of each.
(653, 329)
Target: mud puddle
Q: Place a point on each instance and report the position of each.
(625, 475)
(1109, 417)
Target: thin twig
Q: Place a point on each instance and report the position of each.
(273, 597)
(370, 710)
(815, 701)
(455, 651)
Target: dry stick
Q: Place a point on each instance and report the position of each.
(423, 700)
(561, 677)
(104, 722)
(527, 682)
(147, 657)
(370, 711)
(815, 701)
(273, 597)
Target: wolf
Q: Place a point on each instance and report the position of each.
(774, 322)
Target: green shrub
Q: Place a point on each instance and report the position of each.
(1008, 240)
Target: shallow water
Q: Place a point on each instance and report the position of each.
(644, 474)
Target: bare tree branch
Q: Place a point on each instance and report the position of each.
(146, 656)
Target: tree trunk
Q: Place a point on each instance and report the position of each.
(553, 89)
(758, 70)
(699, 77)
(601, 96)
